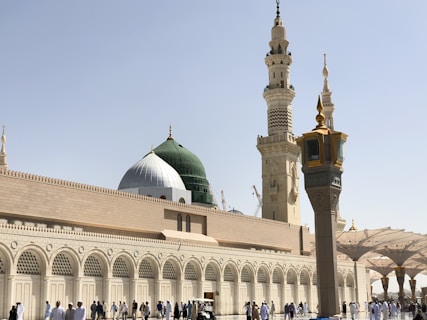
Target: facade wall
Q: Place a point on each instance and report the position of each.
(41, 264)
(47, 252)
(72, 203)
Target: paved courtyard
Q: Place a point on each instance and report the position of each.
(361, 316)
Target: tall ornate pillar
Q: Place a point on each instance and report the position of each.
(322, 158)
(384, 282)
(413, 283)
(400, 275)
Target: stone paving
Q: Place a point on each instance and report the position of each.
(360, 316)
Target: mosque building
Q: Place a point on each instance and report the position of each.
(160, 236)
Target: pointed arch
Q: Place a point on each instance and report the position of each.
(247, 274)
(212, 271)
(31, 260)
(148, 267)
(277, 275)
(263, 275)
(230, 273)
(95, 264)
(122, 267)
(304, 277)
(291, 276)
(64, 264)
(192, 270)
(6, 260)
(171, 269)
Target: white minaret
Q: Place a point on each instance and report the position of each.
(279, 150)
(3, 162)
(328, 110)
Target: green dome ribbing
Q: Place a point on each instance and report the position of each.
(189, 167)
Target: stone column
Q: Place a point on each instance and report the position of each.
(218, 297)
(45, 290)
(200, 290)
(284, 300)
(179, 284)
(78, 289)
(107, 294)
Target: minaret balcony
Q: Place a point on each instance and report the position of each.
(278, 86)
(278, 138)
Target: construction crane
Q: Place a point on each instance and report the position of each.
(258, 196)
(224, 204)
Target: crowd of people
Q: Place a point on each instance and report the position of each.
(99, 311)
(199, 310)
(17, 312)
(267, 312)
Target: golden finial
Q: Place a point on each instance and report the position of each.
(170, 133)
(320, 117)
(353, 227)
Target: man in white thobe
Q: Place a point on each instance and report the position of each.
(168, 310)
(80, 312)
(58, 313)
(20, 311)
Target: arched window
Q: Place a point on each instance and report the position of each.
(179, 222)
(188, 223)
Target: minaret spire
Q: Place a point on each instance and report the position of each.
(279, 150)
(328, 106)
(3, 162)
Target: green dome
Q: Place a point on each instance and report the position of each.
(189, 167)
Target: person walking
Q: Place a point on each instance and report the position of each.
(147, 311)
(58, 313)
(272, 310)
(248, 310)
(13, 315)
(80, 312)
(286, 311)
(99, 311)
(168, 310)
(125, 310)
(69, 313)
(114, 310)
(264, 311)
(93, 310)
(134, 309)
(47, 310)
(176, 313)
(20, 311)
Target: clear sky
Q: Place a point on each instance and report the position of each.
(88, 87)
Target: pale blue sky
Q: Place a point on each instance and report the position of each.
(87, 87)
